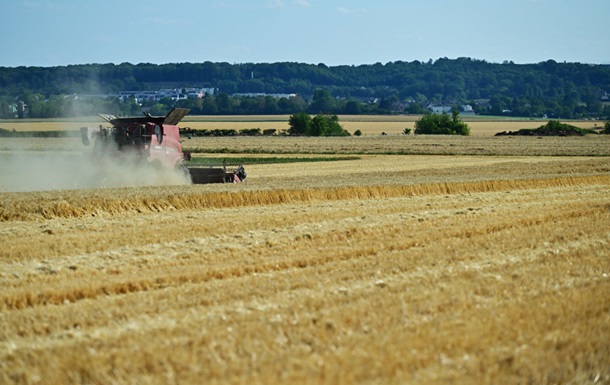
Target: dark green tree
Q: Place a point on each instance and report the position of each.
(320, 125)
(353, 107)
(159, 109)
(131, 107)
(415, 109)
(5, 112)
(327, 125)
(224, 103)
(209, 106)
(386, 104)
(300, 124)
(271, 105)
(435, 124)
(322, 102)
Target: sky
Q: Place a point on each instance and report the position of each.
(334, 32)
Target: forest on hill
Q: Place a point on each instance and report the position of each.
(551, 89)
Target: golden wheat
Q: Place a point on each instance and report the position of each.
(593, 145)
(317, 291)
(36, 209)
(367, 124)
(387, 268)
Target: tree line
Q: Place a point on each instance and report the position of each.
(556, 90)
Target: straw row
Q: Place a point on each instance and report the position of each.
(36, 206)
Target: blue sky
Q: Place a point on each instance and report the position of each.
(333, 32)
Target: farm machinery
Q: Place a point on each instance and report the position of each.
(154, 141)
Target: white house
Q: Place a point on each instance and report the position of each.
(439, 109)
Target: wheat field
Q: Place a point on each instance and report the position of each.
(385, 268)
(367, 124)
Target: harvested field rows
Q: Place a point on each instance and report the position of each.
(593, 145)
(385, 269)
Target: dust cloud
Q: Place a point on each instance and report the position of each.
(22, 171)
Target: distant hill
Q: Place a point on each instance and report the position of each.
(549, 88)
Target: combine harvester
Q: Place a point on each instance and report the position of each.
(154, 140)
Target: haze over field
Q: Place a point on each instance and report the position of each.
(49, 170)
(63, 32)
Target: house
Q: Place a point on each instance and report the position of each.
(439, 109)
(467, 110)
(174, 94)
(199, 92)
(255, 94)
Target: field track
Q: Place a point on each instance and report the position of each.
(384, 269)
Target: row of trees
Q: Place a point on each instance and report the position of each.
(301, 124)
(219, 104)
(61, 106)
(565, 90)
(322, 102)
(328, 125)
(462, 78)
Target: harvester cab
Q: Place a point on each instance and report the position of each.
(153, 139)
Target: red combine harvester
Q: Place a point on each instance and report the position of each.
(155, 140)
